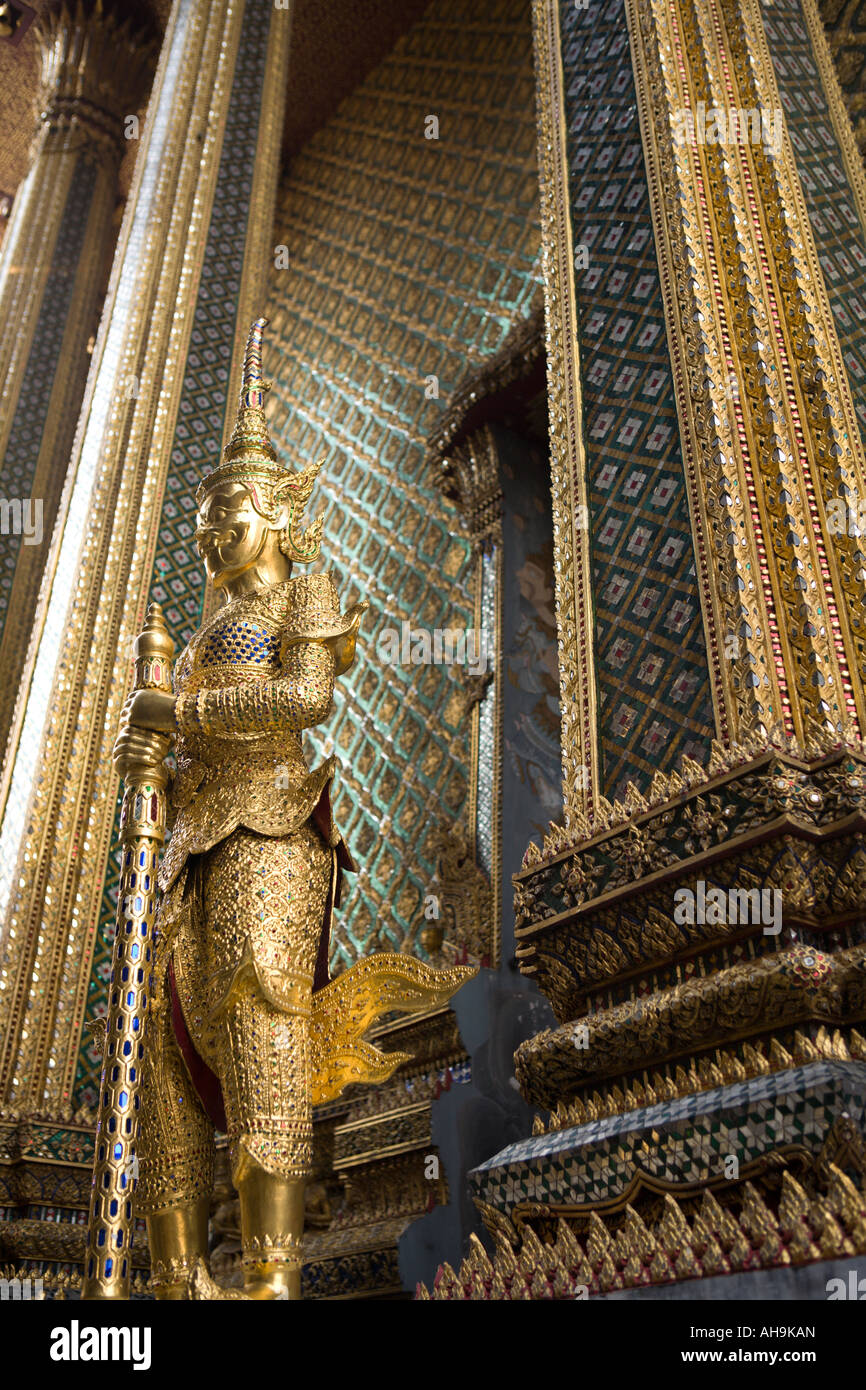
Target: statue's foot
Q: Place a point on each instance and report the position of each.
(203, 1286)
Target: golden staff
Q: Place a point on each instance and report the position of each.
(108, 1262)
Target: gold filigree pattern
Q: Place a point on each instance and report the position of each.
(569, 488)
(733, 320)
(345, 1009)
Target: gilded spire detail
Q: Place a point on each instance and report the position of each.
(250, 438)
(280, 494)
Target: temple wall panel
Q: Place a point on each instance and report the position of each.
(654, 696)
(409, 258)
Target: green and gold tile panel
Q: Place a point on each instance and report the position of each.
(408, 258)
(651, 659)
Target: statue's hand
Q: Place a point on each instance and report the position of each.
(150, 709)
(138, 749)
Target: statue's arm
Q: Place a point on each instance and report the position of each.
(297, 699)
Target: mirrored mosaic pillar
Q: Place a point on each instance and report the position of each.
(742, 147)
(96, 66)
(186, 282)
(698, 923)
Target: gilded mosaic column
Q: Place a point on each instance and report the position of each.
(56, 258)
(764, 397)
(701, 934)
(191, 254)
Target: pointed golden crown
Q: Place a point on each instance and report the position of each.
(250, 458)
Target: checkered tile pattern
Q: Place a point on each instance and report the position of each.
(680, 1141)
(650, 649)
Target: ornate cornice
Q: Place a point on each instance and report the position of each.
(808, 1221)
(796, 986)
(60, 1241)
(603, 911)
(705, 1072)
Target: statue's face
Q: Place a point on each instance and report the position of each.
(229, 533)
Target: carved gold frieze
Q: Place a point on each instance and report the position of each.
(755, 996)
(772, 825)
(59, 1241)
(805, 1222)
(707, 1071)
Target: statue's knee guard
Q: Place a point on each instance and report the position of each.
(265, 1085)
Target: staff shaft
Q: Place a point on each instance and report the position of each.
(108, 1262)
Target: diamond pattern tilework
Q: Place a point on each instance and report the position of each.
(409, 258)
(680, 1141)
(178, 578)
(838, 234)
(25, 435)
(650, 648)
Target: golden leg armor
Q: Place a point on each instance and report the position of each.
(178, 1238)
(272, 1230)
(244, 962)
(175, 1153)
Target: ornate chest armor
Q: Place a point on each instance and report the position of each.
(241, 713)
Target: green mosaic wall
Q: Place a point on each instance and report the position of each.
(408, 258)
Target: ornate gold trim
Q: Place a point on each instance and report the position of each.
(680, 1242)
(496, 885)
(818, 389)
(569, 490)
(727, 220)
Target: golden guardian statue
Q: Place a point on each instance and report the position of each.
(244, 1031)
